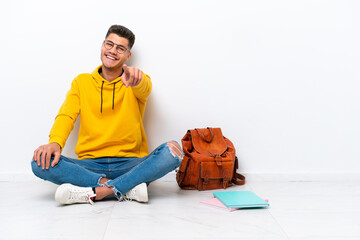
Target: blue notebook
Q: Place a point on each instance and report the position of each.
(241, 199)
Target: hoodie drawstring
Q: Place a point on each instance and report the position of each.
(102, 85)
(113, 100)
(113, 96)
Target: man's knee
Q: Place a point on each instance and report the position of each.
(35, 167)
(175, 149)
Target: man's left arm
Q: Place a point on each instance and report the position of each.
(138, 81)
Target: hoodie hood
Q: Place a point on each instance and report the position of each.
(105, 84)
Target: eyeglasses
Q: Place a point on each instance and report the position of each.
(110, 44)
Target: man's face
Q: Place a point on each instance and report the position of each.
(111, 58)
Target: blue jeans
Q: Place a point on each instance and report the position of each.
(124, 173)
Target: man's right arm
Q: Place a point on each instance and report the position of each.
(63, 125)
(68, 113)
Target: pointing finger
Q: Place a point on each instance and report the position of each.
(131, 76)
(126, 69)
(125, 76)
(123, 80)
(140, 75)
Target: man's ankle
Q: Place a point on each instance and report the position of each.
(103, 180)
(102, 192)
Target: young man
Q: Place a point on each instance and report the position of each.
(112, 149)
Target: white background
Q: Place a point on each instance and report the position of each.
(281, 78)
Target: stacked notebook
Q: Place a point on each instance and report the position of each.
(233, 200)
(214, 202)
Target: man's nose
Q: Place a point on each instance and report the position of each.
(113, 50)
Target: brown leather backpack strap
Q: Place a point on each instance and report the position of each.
(236, 175)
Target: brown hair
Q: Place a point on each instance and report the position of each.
(122, 31)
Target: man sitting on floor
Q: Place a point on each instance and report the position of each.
(112, 149)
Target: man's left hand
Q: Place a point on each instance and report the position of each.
(132, 76)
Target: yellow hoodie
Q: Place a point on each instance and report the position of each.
(111, 117)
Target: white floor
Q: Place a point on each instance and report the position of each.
(299, 210)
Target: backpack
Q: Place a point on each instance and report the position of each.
(209, 161)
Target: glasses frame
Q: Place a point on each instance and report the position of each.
(116, 45)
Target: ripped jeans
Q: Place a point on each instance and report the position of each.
(124, 173)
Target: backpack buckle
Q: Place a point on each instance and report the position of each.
(218, 160)
(206, 178)
(226, 177)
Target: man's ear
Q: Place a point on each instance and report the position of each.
(128, 57)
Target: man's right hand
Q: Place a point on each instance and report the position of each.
(42, 155)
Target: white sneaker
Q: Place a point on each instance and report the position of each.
(69, 194)
(138, 193)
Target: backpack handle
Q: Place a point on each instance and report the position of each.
(202, 136)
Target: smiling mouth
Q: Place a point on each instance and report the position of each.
(108, 56)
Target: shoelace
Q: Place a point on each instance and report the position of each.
(75, 195)
(128, 197)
